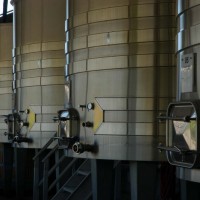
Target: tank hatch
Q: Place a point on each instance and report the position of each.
(182, 138)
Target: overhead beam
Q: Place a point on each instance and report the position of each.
(5, 6)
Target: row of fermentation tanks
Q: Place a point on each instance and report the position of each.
(100, 76)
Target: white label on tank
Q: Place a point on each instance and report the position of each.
(187, 73)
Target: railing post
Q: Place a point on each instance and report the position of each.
(57, 169)
(36, 179)
(45, 179)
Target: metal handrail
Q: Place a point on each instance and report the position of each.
(46, 159)
(50, 153)
(48, 171)
(37, 182)
(45, 147)
(63, 172)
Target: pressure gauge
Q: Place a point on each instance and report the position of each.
(90, 106)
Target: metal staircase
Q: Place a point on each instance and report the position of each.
(78, 186)
(62, 177)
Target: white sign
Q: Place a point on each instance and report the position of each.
(187, 73)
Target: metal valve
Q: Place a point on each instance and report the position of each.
(87, 124)
(82, 106)
(89, 106)
(19, 123)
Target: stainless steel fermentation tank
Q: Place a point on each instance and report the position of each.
(121, 64)
(5, 75)
(39, 61)
(183, 127)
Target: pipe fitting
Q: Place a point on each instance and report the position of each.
(87, 124)
(67, 142)
(79, 148)
(20, 139)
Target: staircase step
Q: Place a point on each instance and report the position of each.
(85, 166)
(78, 186)
(61, 196)
(89, 196)
(84, 173)
(75, 180)
(83, 192)
(69, 189)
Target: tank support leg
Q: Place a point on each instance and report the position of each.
(144, 180)
(8, 168)
(102, 179)
(20, 168)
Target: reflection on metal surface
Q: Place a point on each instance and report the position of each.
(190, 136)
(180, 127)
(68, 126)
(188, 130)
